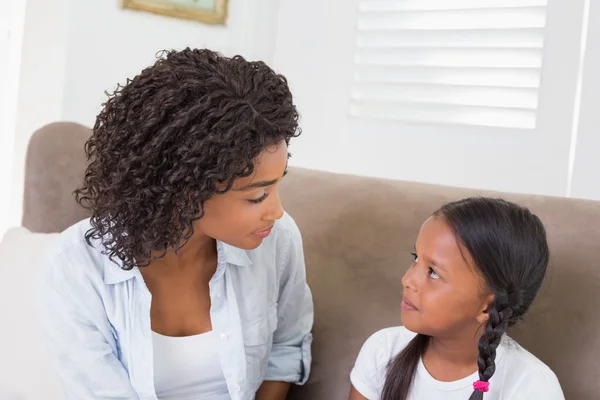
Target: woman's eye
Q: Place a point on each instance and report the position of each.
(433, 274)
(260, 199)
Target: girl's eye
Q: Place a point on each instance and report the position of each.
(415, 257)
(260, 199)
(433, 274)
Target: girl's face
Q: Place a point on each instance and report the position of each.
(243, 217)
(444, 294)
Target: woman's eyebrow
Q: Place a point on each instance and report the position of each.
(260, 184)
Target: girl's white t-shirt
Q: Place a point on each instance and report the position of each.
(519, 374)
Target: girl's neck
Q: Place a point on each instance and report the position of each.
(453, 358)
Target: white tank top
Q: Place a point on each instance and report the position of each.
(188, 368)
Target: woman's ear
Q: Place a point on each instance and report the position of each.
(482, 315)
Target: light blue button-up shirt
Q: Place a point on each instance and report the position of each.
(97, 317)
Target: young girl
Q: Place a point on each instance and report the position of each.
(477, 267)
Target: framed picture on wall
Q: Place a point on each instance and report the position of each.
(207, 11)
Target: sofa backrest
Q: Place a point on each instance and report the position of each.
(54, 168)
(358, 233)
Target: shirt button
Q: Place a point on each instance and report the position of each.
(236, 388)
(219, 294)
(224, 337)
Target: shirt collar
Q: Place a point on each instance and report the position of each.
(114, 273)
(232, 255)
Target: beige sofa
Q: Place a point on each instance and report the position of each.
(358, 233)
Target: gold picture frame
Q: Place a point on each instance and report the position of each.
(187, 9)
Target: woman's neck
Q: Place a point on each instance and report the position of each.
(197, 257)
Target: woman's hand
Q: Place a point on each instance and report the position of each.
(271, 390)
(354, 395)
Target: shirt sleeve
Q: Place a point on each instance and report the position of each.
(290, 356)
(368, 374)
(538, 384)
(77, 334)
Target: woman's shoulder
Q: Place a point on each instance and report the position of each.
(71, 258)
(71, 237)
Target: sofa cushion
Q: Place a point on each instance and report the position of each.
(25, 371)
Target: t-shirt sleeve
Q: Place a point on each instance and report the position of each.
(538, 384)
(368, 374)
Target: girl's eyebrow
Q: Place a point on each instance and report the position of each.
(432, 261)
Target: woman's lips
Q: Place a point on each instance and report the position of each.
(264, 233)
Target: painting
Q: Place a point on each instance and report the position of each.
(207, 11)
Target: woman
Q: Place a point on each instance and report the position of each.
(188, 280)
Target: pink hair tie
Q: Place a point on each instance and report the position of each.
(481, 386)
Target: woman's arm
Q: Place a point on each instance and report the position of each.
(271, 390)
(355, 395)
(77, 334)
(290, 356)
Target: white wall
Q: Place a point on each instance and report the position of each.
(75, 50)
(11, 32)
(42, 66)
(105, 45)
(318, 63)
(586, 170)
(5, 101)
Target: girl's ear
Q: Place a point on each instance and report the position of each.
(482, 315)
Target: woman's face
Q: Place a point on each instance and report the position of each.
(243, 217)
(443, 293)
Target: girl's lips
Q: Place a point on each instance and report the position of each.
(408, 306)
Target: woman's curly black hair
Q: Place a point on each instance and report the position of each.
(172, 137)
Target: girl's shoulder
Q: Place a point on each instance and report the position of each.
(388, 342)
(368, 374)
(524, 374)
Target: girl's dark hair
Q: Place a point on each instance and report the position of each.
(181, 131)
(508, 245)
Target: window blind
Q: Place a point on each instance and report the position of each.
(467, 62)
